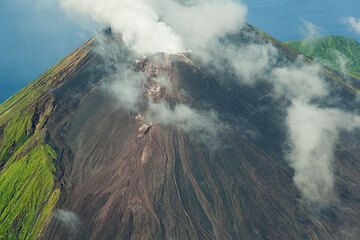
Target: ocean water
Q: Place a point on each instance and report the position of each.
(36, 34)
(33, 37)
(283, 18)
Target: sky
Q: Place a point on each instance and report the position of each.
(36, 34)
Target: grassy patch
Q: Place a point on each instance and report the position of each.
(15, 135)
(27, 194)
(27, 183)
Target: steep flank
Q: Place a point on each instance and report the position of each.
(332, 51)
(67, 145)
(28, 191)
(126, 183)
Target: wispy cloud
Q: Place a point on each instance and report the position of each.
(70, 220)
(300, 81)
(341, 61)
(200, 22)
(165, 26)
(313, 131)
(310, 30)
(249, 62)
(127, 86)
(205, 124)
(139, 24)
(353, 24)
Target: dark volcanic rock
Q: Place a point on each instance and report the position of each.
(164, 184)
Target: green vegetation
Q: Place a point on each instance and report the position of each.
(27, 195)
(15, 135)
(28, 191)
(290, 49)
(27, 183)
(340, 53)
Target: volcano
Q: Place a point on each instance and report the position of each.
(76, 165)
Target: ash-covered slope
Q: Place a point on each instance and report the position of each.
(145, 174)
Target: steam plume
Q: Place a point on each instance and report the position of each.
(163, 26)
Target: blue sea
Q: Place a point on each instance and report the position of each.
(283, 18)
(35, 34)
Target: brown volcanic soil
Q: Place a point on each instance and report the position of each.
(167, 185)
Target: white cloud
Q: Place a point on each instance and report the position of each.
(313, 131)
(163, 26)
(127, 86)
(164, 82)
(341, 61)
(250, 61)
(205, 124)
(69, 219)
(313, 134)
(300, 82)
(310, 30)
(140, 26)
(202, 21)
(353, 24)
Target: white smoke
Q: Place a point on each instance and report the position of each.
(341, 61)
(183, 116)
(353, 24)
(251, 61)
(164, 82)
(313, 131)
(127, 86)
(163, 26)
(70, 220)
(205, 124)
(310, 30)
(136, 20)
(300, 82)
(201, 22)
